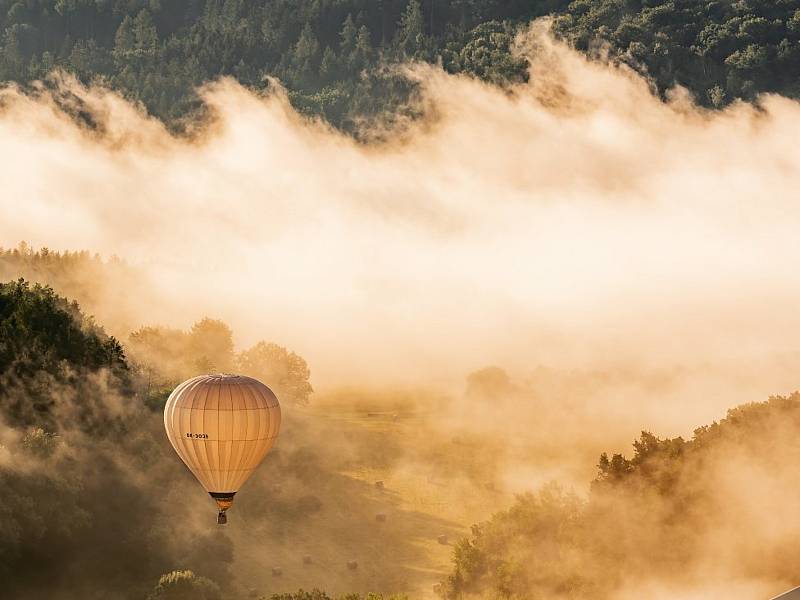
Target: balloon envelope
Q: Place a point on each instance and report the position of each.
(222, 426)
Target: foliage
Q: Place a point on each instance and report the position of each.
(316, 594)
(489, 384)
(649, 516)
(185, 585)
(524, 552)
(287, 373)
(486, 52)
(103, 287)
(104, 510)
(169, 356)
(720, 51)
(162, 351)
(47, 344)
(41, 331)
(40, 442)
(328, 53)
(71, 505)
(210, 341)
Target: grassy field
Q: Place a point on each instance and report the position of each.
(400, 532)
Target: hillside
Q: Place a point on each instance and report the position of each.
(703, 517)
(720, 51)
(333, 55)
(102, 286)
(92, 483)
(83, 420)
(473, 248)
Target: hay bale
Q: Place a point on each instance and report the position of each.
(442, 539)
(352, 565)
(277, 571)
(379, 485)
(307, 559)
(277, 488)
(380, 517)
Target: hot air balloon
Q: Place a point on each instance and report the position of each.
(222, 427)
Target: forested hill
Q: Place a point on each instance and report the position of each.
(675, 511)
(721, 50)
(327, 52)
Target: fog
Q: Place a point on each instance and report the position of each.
(630, 263)
(573, 220)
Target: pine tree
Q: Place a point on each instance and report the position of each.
(305, 58)
(411, 40)
(348, 37)
(144, 32)
(124, 40)
(363, 51)
(329, 66)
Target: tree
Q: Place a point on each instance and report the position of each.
(650, 516)
(210, 345)
(329, 66)
(348, 37)
(41, 331)
(489, 383)
(751, 57)
(163, 353)
(59, 372)
(305, 58)
(285, 372)
(39, 442)
(487, 54)
(185, 585)
(362, 55)
(743, 48)
(53, 359)
(124, 39)
(411, 32)
(145, 34)
(521, 552)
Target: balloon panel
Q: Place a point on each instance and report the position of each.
(222, 426)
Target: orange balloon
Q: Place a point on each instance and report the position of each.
(222, 426)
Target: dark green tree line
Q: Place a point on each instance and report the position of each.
(327, 52)
(720, 51)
